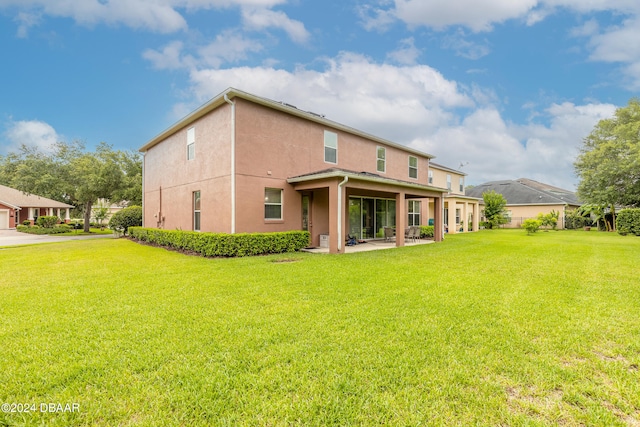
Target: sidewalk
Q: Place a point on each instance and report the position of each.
(14, 238)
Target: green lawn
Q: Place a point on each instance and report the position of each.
(488, 328)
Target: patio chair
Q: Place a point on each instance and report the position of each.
(413, 233)
(388, 234)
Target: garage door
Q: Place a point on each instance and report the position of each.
(4, 220)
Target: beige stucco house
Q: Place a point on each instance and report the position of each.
(244, 163)
(527, 198)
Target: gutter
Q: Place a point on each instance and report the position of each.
(233, 162)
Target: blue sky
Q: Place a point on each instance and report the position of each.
(506, 87)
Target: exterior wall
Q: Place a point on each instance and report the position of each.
(170, 179)
(520, 213)
(7, 217)
(440, 180)
(276, 145)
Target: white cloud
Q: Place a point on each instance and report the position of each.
(471, 50)
(386, 100)
(228, 47)
(406, 54)
(32, 133)
(499, 150)
(261, 18)
(161, 16)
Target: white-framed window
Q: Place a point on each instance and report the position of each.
(191, 143)
(462, 184)
(330, 147)
(448, 182)
(430, 177)
(414, 212)
(413, 167)
(272, 203)
(196, 211)
(458, 216)
(381, 164)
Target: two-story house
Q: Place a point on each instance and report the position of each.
(242, 163)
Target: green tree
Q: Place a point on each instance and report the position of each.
(609, 161)
(95, 176)
(68, 173)
(495, 213)
(125, 218)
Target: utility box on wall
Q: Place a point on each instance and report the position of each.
(324, 240)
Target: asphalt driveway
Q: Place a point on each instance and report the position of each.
(13, 238)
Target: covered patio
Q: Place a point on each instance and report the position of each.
(338, 203)
(370, 245)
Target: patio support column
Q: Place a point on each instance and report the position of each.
(452, 217)
(401, 218)
(438, 218)
(66, 215)
(476, 216)
(465, 217)
(333, 218)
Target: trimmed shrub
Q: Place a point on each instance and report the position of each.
(57, 229)
(127, 217)
(628, 222)
(222, 244)
(531, 225)
(426, 231)
(47, 221)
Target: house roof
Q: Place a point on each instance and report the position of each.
(231, 93)
(362, 176)
(446, 168)
(525, 191)
(19, 199)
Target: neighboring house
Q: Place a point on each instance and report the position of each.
(461, 212)
(527, 198)
(17, 207)
(242, 163)
(111, 209)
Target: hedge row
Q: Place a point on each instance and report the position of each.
(57, 229)
(628, 222)
(426, 231)
(221, 244)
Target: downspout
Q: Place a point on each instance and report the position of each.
(344, 181)
(233, 162)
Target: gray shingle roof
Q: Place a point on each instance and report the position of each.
(525, 191)
(24, 200)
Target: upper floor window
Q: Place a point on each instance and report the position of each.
(413, 167)
(461, 184)
(330, 147)
(448, 182)
(272, 203)
(430, 177)
(191, 143)
(381, 165)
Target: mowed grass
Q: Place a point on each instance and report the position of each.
(487, 328)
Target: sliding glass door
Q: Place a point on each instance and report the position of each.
(368, 216)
